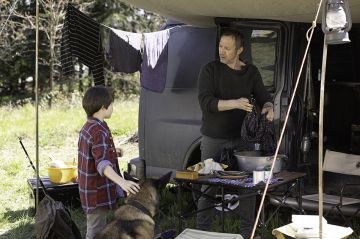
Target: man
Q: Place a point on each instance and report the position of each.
(225, 87)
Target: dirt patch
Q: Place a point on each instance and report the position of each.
(131, 150)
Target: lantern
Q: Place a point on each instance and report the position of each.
(336, 21)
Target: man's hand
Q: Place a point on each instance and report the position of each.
(243, 104)
(269, 113)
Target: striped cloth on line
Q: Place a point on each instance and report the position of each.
(81, 39)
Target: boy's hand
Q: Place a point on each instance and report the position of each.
(127, 185)
(130, 187)
(119, 152)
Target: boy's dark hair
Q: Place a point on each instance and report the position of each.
(239, 39)
(97, 97)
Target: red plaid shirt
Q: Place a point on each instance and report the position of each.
(96, 145)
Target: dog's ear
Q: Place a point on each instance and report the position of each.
(127, 176)
(161, 182)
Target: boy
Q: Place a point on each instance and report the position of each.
(99, 180)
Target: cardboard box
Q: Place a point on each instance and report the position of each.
(187, 174)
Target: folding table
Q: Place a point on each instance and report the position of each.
(293, 182)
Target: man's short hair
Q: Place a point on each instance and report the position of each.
(239, 39)
(97, 97)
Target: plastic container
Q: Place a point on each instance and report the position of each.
(63, 175)
(137, 168)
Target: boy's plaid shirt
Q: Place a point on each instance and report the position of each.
(95, 145)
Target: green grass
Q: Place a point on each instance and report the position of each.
(58, 135)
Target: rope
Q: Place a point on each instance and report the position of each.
(11, 11)
(308, 37)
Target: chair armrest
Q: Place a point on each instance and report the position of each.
(345, 185)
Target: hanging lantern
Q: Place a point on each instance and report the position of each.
(336, 21)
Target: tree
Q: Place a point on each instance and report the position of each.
(17, 45)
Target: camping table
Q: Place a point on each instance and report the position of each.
(293, 182)
(66, 193)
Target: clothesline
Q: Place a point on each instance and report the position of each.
(153, 42)
(170, 28)
(127, 52)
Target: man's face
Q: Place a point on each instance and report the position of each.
(228, 52)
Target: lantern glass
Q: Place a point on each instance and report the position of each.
(336, 17)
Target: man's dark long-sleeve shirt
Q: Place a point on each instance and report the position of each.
(217, 82)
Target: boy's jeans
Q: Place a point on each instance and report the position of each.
(95, 222)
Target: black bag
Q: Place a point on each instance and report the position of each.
(226, 156)
(257, 129)
(53, 221)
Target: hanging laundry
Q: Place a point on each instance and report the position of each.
(134, 39)
(257, 129)
(154, 70)
(81, 39)
(154, 43)
(123, 51)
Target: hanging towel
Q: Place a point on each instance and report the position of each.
(153, 75)
(134, 39)
(155, 43)
(81, 39)
(154, 79)
(123, 51)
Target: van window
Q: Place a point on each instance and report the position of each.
(263, 53)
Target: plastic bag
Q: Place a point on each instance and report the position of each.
(226, 156)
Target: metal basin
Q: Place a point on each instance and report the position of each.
(252, 160)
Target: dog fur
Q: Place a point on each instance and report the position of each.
(130, 222)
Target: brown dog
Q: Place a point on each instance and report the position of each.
(134, 220)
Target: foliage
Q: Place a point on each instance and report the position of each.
(60, 123)
(17, 47)
(58, 130)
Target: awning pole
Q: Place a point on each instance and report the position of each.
(37, 102)
(321, 135)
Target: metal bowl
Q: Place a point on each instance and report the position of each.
(252, 160)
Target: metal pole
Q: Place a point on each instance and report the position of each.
(321, 135)
(37, 101)
(309, 37)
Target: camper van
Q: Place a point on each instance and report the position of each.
(275, 41)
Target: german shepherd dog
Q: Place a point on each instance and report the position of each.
(134, 220)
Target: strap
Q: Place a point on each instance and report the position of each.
(139, 206)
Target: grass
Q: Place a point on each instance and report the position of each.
(58, 134)
(58, 130)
